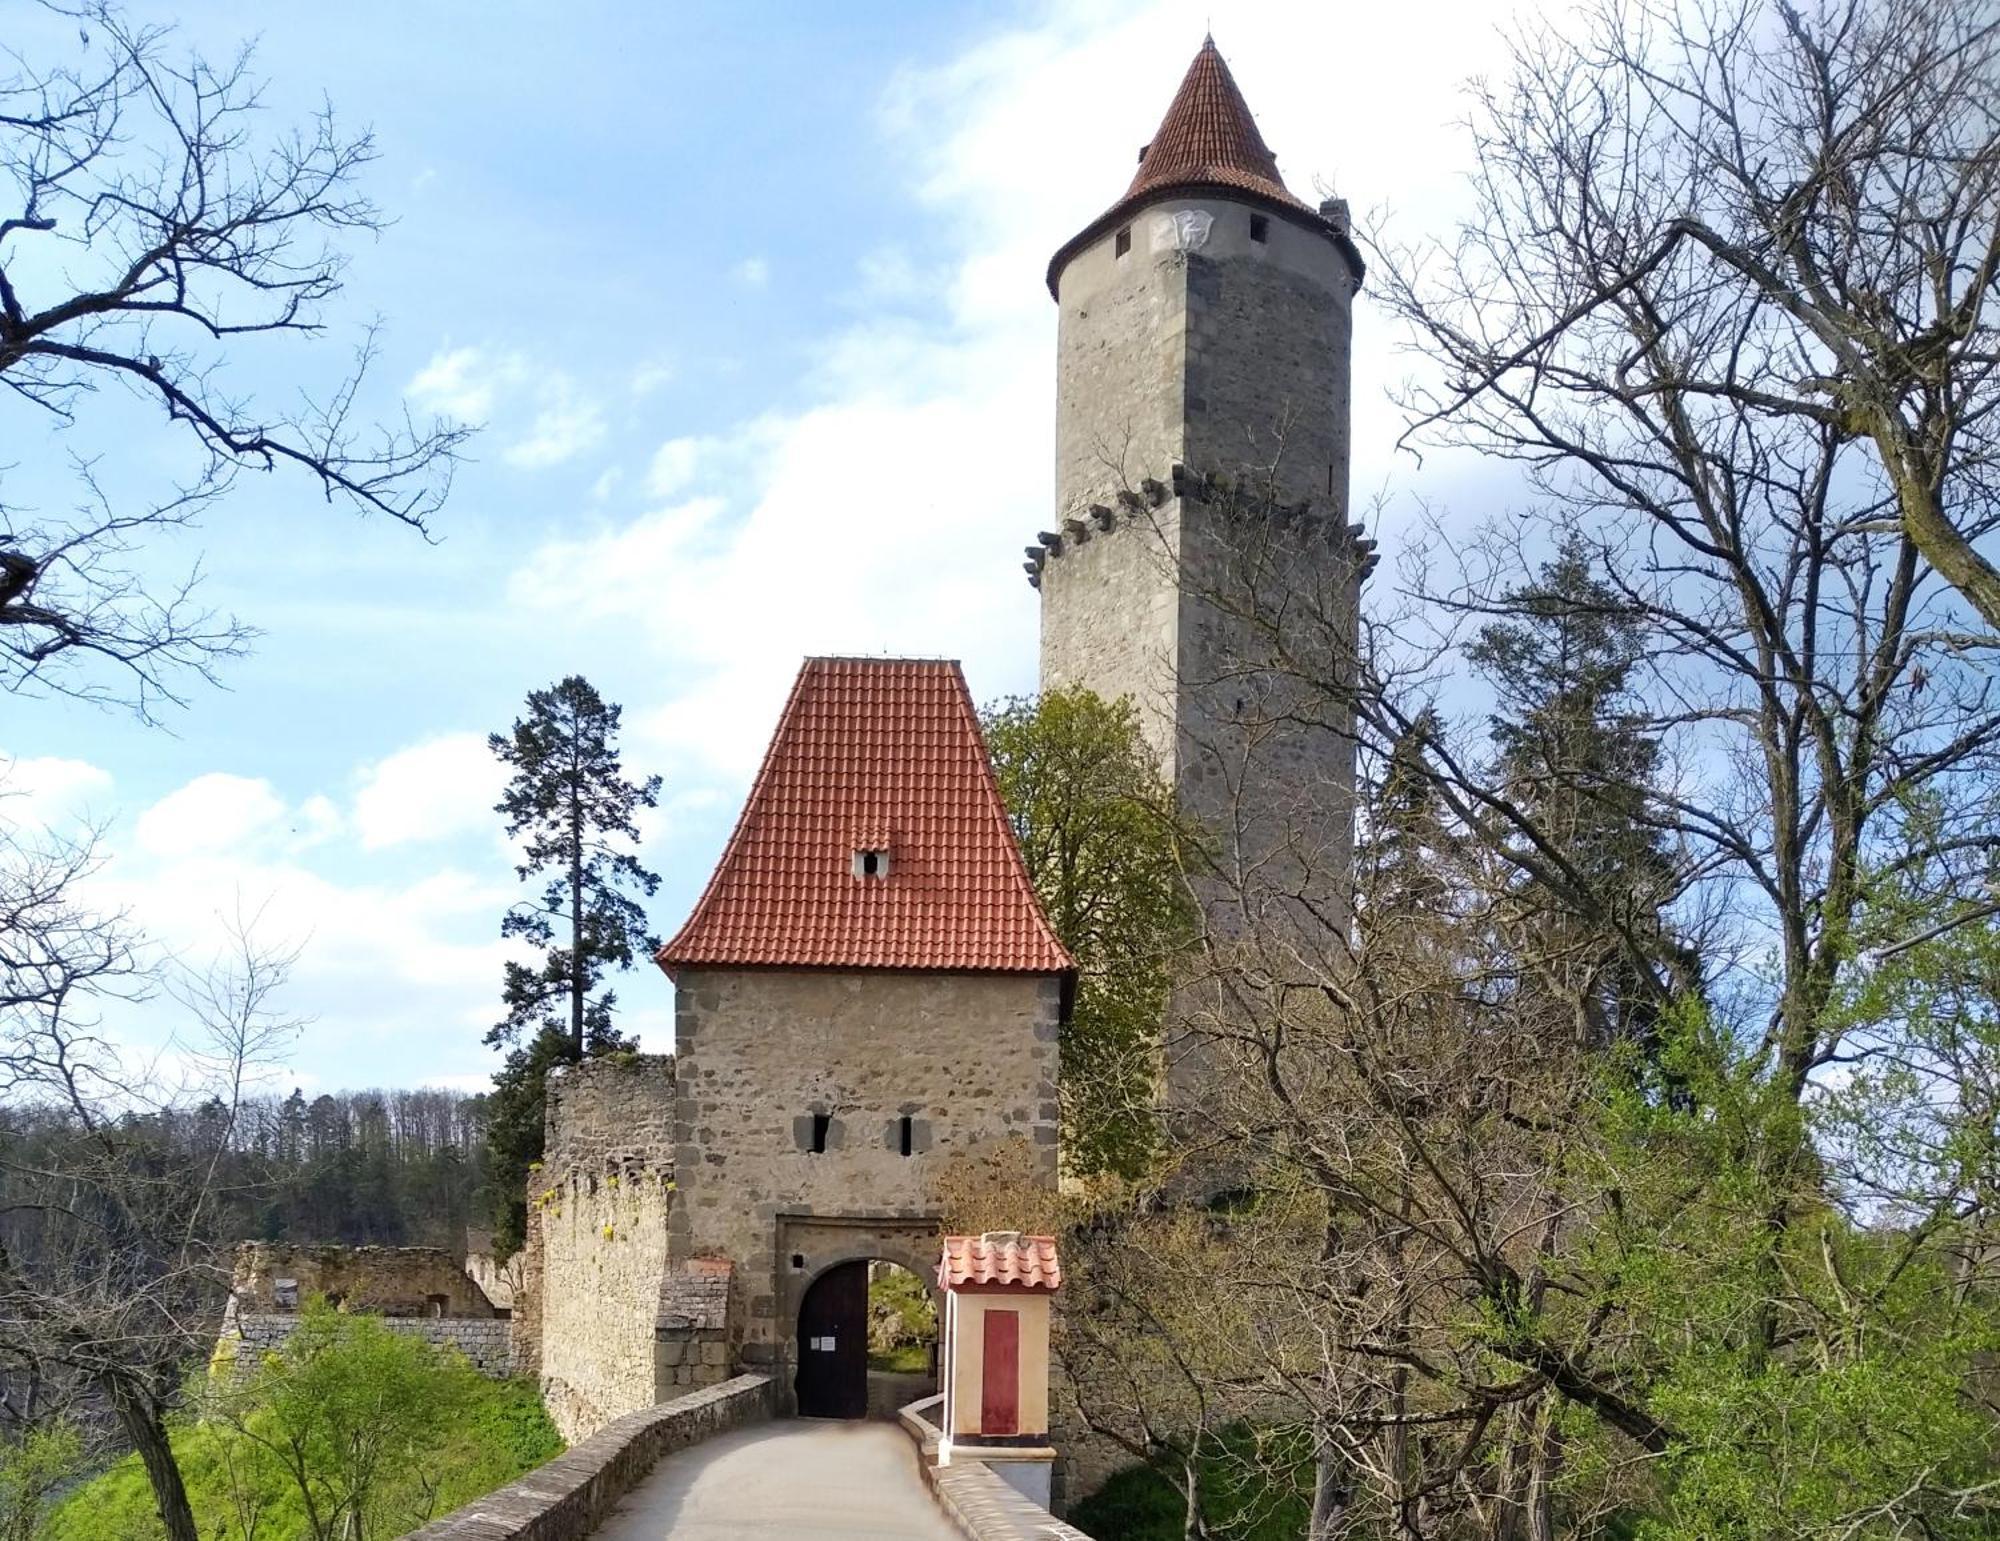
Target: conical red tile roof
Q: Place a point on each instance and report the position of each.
(1208, 142)
(872, 754)
(1209, 139)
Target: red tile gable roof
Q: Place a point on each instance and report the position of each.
(872, 754)
(1000, 1257)
(1208, 138)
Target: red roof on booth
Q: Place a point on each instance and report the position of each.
(1001, 1257)
(872, 754)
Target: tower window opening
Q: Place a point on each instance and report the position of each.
(1124, 242)
(822, 1126)
(905, 1134)
(871, 863)
(1260, 227)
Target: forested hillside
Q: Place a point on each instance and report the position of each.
(395, 1168)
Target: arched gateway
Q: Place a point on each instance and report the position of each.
(867, 1003)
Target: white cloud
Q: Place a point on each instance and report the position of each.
(37, 792)
(429, 791)
(752, 272)
(412, 962)
(674, 465)
(566, 424)
(649, 377)
(213, 814)
(474, 383)
(466, 382)
(887, 515)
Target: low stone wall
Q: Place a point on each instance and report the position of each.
(978, 1500)
(569, 1497)
(247, 1336)
(387, 1281)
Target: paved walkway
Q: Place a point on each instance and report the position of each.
(792, 1478)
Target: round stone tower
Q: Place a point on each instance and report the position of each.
(1201, 561)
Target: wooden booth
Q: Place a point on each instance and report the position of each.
(998, 1290)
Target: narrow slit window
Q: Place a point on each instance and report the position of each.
(1260, 227)
(1124, 242)
(822, 1126)
(907, 1135)
(871, 862)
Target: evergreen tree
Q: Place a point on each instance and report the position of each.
(1580, 764)
(572, 808)
(1407, 844)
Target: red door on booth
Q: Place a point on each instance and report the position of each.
(1000, 1374)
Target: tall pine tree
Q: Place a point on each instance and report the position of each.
(1581, 766)
(572, 808)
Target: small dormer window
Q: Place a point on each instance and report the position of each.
(871, 862)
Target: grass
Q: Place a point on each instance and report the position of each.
(903, 1359)
(503, 1434)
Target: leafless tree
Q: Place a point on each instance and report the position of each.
(1723, 446)
(1786, 213)
(1407, 1096)
(111, 1274)
(149, 227)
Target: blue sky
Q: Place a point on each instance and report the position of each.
(749, 300)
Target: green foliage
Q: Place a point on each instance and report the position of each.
(1578, 760)
(350, 1432)
(1104, 849)
(902, 1321)
(515, 1130)
(1820, 1364)
(1257, 1486)
(31, 1469)
(573, 810)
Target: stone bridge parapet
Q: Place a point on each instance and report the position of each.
(568, 1498)
(979, 1501)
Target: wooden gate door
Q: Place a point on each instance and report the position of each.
(833, 1344)
(1000, 1374)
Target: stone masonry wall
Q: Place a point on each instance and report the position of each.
(1203, 348)
(247, 1336)
(391, 1281)
(604, 1260)
(969, 1058)
(1111, 617)
(611, 1112)
(598, 1237)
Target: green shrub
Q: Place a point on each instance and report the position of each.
(352, 1429)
